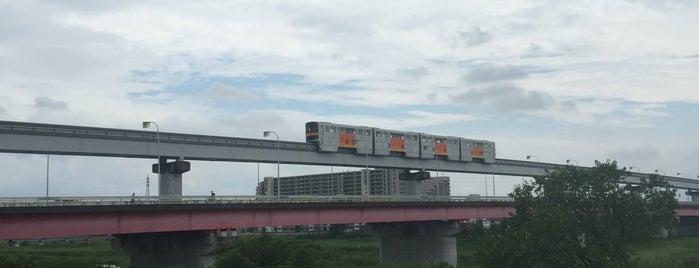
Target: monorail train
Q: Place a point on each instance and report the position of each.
(376, 141)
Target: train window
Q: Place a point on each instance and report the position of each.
(311, 127)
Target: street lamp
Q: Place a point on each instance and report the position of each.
(656, 171)
(534, 156)
(680, 174)
(639, 170)
(147, 124)
(571, 160)
(266, 134)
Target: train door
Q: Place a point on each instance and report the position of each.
(412, 145)
(381, 142)
(328, 137)
(489, 152)
(426, 146)
(363, 140)
(453, 149)
(466, 150)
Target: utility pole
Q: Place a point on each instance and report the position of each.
(47, 177)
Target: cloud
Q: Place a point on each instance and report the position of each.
(637, 154)
(493, 73)
(473, 38)
(2, 110)
(45, 102)
(221, 91)
(536, 50)
(506, 98)
(415, 73)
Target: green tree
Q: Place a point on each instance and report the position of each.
(579, 217)
(262, 251)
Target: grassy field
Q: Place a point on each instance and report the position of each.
(348, 252)
(674, 252)
(59, 254)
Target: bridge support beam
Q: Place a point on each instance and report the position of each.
(181, 249)
(417, 242)
(170, 182)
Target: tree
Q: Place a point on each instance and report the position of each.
(579, 217)
(262, 251)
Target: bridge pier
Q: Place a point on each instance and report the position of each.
(694, 194)
(417, 242)
(181, 249)
(170, 179)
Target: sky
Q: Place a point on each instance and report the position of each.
(579, 80)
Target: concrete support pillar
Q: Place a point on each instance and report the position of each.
(180, 249)
(170, 182)
(694, 194)
(417, 242)
(366, 182)
(170, 185)
(414, 187)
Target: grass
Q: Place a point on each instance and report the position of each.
(336, 253)
(58, 254)
(673, 252)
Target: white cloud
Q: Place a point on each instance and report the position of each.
(615, 67)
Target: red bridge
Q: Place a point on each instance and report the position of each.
(34, 218)
(411, 229)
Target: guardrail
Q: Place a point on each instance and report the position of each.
(237, 199)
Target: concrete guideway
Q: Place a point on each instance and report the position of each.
(34, 138)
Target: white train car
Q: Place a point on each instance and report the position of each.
(377, 141)
(331, 137)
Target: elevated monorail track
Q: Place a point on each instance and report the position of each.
(39, 138)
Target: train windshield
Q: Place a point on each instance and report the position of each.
(311, 127)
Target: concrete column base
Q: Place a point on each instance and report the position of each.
(170, 185)
(181, 249)
(417, 242)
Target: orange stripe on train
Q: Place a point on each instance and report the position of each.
(440, 148)
(397, 145)
(347, 140)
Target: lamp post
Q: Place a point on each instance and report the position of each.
(147, 124)
(571, 160)
(656, 171)
(47, 178)
(639, 170)
(534, 156)
(266, 134)
(680, 174)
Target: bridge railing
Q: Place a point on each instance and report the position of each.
(236, 199)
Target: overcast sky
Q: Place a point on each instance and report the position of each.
(581, 80)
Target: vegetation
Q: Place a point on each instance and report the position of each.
(577, 217)
(330, 252)
(58, 254)
(676, 252)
